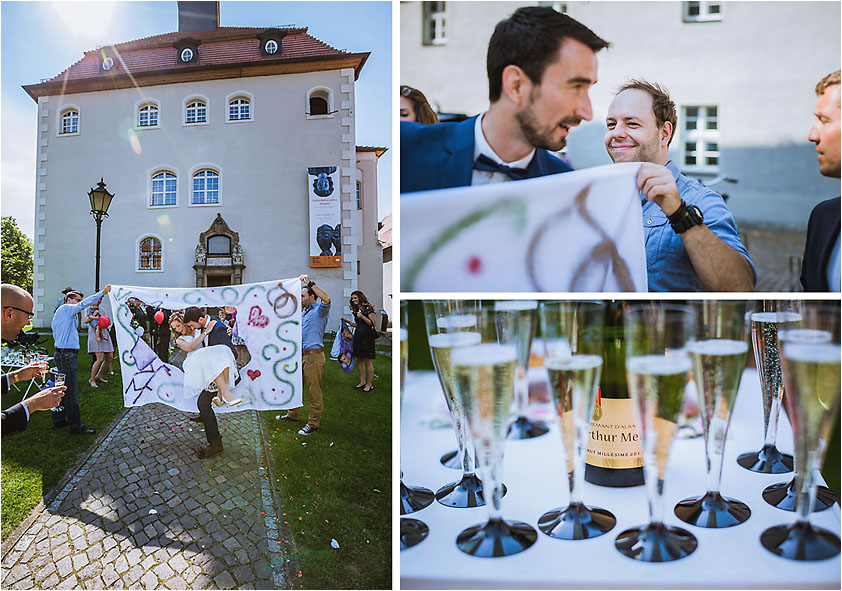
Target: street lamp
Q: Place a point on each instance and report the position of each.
(100, 200)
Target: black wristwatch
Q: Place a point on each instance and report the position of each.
(311, 284)
(685, 217)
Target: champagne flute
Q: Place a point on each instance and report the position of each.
(810, 357)
(719, 358)
(413, 498)
(765, 324)
(452, 324)
(58, 380)
(658, 367)
(572, 333)
(516, 322)
(484, 379)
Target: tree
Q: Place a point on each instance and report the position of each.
(16, 255)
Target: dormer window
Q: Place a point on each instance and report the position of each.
(186, 55)
(271, 41)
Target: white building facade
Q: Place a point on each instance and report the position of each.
(741, 74)
(208, 159)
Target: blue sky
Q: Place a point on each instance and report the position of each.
(40, 39)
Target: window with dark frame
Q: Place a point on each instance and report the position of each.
(434, 23)
(219, 244)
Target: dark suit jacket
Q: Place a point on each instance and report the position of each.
(822, 231)
(219, 336)
(441, 156)
(13, 419)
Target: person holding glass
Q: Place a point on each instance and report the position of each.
(364, 337)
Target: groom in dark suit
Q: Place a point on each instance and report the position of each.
(540, 65)
(198, 319)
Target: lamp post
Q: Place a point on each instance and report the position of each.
(100, 200)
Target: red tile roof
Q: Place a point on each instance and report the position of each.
(225, 47)
(377, 150)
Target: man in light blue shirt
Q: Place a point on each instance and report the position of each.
(692, 242)
(313, 323)
(66, 338)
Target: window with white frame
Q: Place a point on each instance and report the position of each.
(205, 187)
(700, 138)
(196, 112)
(164, 185)
(147, 115)
(434, 23)
(149, 254)
(69, 122)
(239, 109)
(695, 12)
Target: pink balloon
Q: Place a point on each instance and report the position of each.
(104, 321)
(159, 317)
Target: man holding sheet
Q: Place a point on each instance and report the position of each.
(692, 242)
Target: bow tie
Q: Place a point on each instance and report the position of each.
(486, 164)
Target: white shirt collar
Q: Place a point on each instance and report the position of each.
(481, 147)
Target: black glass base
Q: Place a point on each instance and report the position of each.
(766, 461)
(656, 543)
(576, 522)
(464, 493)
(451, 460)
(496, 538)
(782, 495)
(415, 498)
(412, 532)
(800, 541)
(523, 428)
(712, 511)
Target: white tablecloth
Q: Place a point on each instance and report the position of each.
(536, 480)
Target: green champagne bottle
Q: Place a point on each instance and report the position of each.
(614, 454)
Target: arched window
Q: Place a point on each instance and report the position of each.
(205, 187)
(219, 244)
(149, 254)
(196, 112)
(319, 103)
(239, 109)
(69, 121)
(147, 115)
(163, 188)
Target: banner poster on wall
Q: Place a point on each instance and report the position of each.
(325, 216)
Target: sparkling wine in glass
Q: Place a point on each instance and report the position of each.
(765, 324)
(58, 380)
(719, 358)
(413, 498)
(484, 382)
(810, 357)
(658, 367)
(516, 323)
(572, 335)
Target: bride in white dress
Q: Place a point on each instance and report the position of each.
(205, 365)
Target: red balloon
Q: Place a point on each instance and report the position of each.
(159, 317)
(104, 321)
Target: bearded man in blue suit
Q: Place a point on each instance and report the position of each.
(540, 65)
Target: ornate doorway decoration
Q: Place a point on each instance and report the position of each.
(219, 256)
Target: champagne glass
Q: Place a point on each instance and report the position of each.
(719, 357)
(58, 380)
(413, 498)
(516, 322)
(452, 324)
(484, 379)
(572, 333)
(810, 359)
(658, 367)
(765, 324)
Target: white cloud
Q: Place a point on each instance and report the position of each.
(17, 161)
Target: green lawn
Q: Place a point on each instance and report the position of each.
(338, 486)
(35, 460)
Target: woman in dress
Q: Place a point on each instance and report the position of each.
(99, 344)
(364, 337)
(204, 365)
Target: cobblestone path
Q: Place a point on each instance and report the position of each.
(144, 512)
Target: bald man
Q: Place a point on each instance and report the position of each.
(17, 310)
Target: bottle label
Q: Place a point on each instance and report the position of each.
(614, 441)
